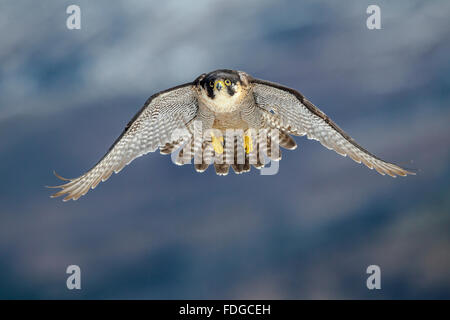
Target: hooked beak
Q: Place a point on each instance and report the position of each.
(218, 84)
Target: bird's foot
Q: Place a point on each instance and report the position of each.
(217, 143)
(248, 143)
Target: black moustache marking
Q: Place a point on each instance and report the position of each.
(210, 90)
(230, 90)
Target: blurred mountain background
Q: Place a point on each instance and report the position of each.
(161, 231)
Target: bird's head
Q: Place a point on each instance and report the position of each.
(223, 88)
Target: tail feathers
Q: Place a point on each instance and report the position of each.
(263, 146)
(286, 141)
(201, 167)
(183, 158)
(170, 147)
(240, 167)
(222, 169)
(273, 150)
(259, 158)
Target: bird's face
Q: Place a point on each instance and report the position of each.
(222, 88)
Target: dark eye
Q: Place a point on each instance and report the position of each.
(211, 84)
(227, 82)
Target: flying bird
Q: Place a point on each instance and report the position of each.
(219, 101)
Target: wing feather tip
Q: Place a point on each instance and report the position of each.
(60, 177)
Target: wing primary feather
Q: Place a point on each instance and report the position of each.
(298, 115)
(151, 127)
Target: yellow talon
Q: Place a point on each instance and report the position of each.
(217, 143)
(248, 144)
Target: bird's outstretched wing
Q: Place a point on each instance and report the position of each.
(150, 128)
(297, 115)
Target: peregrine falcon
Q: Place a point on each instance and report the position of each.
(216, 103)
